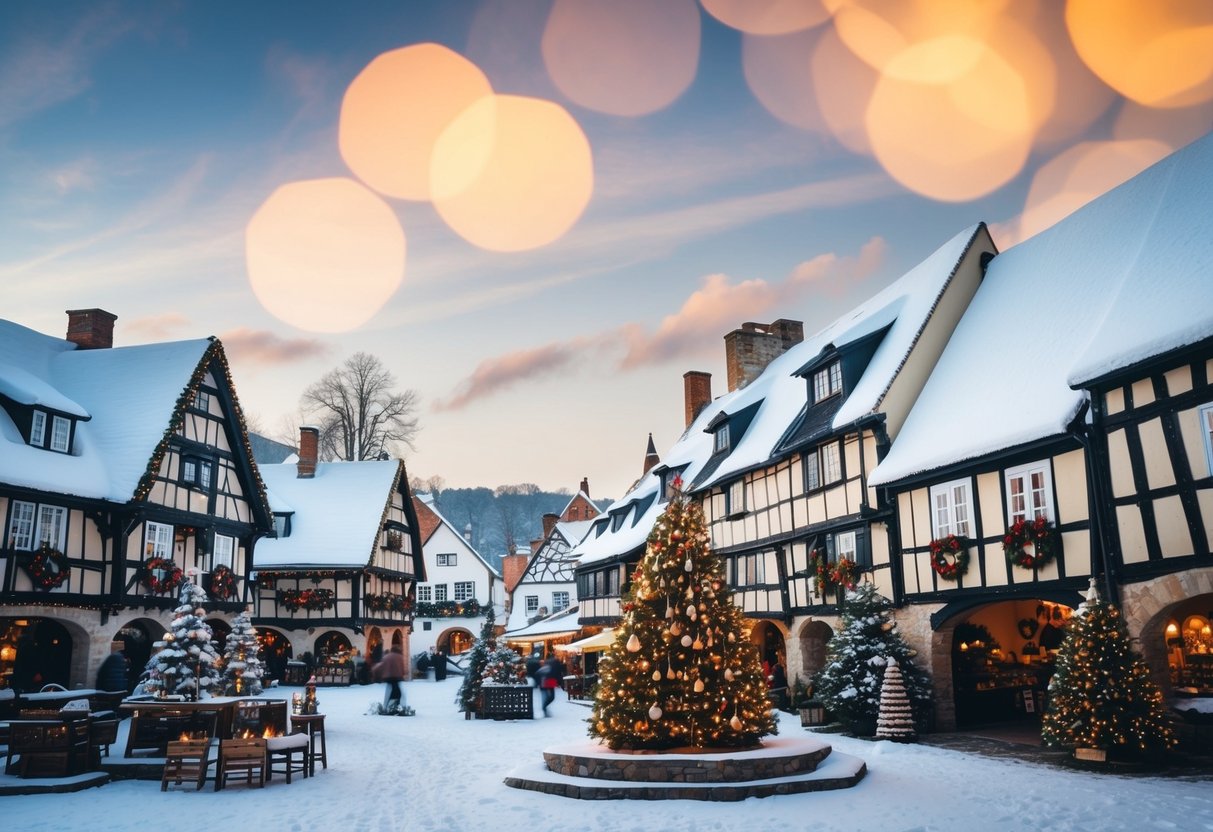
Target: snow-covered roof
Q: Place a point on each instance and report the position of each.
(130, 393)
(428, 500)
(574, 530)
(1125, 277)
(337, 513)
(904, 307)
(558, 623)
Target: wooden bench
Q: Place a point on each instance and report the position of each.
(48, 747)
(186, 760)
(246, 757)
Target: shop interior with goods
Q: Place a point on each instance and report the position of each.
(1189, 635)
(1003, 657)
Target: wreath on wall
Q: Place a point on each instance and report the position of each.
(47, 567)
(1036, 533)
(950, 557)
(223, 583)
(161, 575)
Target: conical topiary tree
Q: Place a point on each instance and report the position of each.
(1101, 695)
(856, 657)
(185, 663)
(242, 668)
(468, 697)
(895, 719)
(681, 671)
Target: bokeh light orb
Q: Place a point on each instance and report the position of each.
(536, 183)
(396, 108)
(324, 255)
(1158, 53)
(622, 57)
(768, 17)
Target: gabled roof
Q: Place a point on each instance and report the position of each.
(582, 496)
(556, 624)
(129, 397)
(427, 503)
(338, 513)
(903, 309)
(1126, 277)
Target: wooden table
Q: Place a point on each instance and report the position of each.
(313, 724)
(156, 722)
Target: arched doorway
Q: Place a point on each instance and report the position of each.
(770, 642)
(39, 651)
(1186, 639)
(455, 641)
(276, 651)
(374, 645)
(138, 638)
(398, 638)
(813, 640)
(332, 645)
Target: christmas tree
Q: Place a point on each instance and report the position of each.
(185, 663)
(242, 669)
(682, 671)
(1101, 695)
(478, 658)
(895, 720)
(856, 658)
(503, 666)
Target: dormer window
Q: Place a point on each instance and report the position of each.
(60, 432)
(282, 525)
(197, 472)
(617, 520)
(37, 431)
(722, 438)
(827, 381)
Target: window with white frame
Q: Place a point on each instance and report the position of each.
(465, 590)
(735, 498)
(446, 560)
(532, 604)
(52, 527)
(952, 509)
(560, 601)
(21, 526)
(750, 570)
(439, 592)
(1206, 430)
(827, 382)
(812, 472)
(722, 438)
(425, 593)
(37, 430)
(197, 472)
(158, 540)
(202, 400)
(225, 552)
(61, 434)
(831, 463)
(845, 547)
(1029, 492)
(667, 484)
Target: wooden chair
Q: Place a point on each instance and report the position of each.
(283, 750)
(237, 756)
(103, 733)
(186, 760)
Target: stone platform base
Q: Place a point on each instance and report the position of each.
(590, 771)
(10, 785)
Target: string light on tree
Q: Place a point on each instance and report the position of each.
(677, 674)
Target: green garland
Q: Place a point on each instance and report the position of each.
(448, 609)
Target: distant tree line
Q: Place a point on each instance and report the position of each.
(502, 519)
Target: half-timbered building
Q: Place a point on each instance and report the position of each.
(1059, 438)
(121, 470)
(338, 578)
(459, 586)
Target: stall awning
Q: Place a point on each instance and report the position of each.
(563, 623)
(590, 644)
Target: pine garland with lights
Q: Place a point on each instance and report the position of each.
(468, 698)
(242, 668)
(1101, 695)
(856, 657)
(185, 662)
(682, 671)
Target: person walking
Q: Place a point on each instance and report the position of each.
(439, 662)
(551, 676)
(391, 670)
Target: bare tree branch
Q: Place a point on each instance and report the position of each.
(359, 414)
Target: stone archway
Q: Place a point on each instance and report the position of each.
(1150, 606)
(813, 641)
(138, 637)
(455, 640)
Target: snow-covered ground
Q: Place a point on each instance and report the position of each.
(438, 771)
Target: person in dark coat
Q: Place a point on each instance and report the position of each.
(551, 676)
(391, 670)
(438, 660)
(112, 675)
(25, 667)
(533, 663)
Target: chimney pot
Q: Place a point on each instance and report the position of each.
(549, 523)
(585, 486)
(751, 347)
(91, 329)
(697, 392)
(309, 445)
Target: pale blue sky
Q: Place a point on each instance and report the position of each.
(138, 139)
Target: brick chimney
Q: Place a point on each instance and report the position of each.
(748, 350)
(697, 392)
(309, 445)
(650, 456)
(513, 567)
(549, 522)
(91, 329)
(585, 486)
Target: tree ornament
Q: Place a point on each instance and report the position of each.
(728, 674)
(656, 675)
(735, 723)
(697, 645)
(633, 644)
(691, 611)
(654, 713)
(699, 685)
(688, 566)
(686, 641)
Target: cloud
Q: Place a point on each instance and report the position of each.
(717, 307)
(259, 346)
(157, 327)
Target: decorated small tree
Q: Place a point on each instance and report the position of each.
(682, 671)
(849, 684)
(185, 662)
(895, 720)
(502, 667)
(468, 697)
(242, 668)
(1101, 696)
